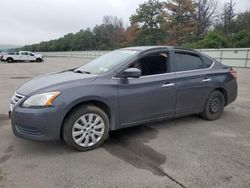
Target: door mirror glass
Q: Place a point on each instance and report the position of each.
(132, 73)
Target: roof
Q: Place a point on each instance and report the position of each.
(147, 48)
(144, 48)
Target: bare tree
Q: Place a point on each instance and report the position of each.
(114, 21)
(228, 16)
(206, 14)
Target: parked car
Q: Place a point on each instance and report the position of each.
(123, 88)
(1, 55)
(22, 56)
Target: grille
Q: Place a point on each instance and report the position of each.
(17, 98)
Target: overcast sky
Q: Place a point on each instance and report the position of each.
(32, 21)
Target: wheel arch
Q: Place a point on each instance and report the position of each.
(224, 92)
(39, 58)
(9, 58)
(102, 105)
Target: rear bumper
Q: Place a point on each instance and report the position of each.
(36, 124)
(232, 91)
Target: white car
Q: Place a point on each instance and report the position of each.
(22, 56)
(1, 54)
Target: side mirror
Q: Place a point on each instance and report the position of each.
(132, 73)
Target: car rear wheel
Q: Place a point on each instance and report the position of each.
(10, 60)
(214, 106)
(86, 128)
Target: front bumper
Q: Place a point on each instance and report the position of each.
(41, 124)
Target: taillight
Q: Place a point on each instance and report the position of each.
(233, 73)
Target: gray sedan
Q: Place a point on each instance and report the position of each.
(123, 88)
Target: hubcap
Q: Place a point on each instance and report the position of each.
(88, 130)
(215, 105)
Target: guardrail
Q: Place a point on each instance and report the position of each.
(79, 54)
(236, 57)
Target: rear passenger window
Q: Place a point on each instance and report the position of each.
(24, 53)
(207, 62)
(185, 61)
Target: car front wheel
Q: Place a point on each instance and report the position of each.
(214, 106)
(86, 128)
(39, 60)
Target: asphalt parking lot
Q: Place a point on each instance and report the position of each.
(185, 152)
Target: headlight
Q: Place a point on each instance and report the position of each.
(40, 100)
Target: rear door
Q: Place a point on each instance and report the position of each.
(193, 82)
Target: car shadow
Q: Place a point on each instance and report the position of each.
(130, 145)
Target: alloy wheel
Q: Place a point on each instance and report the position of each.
(215, 104)
(88, 130)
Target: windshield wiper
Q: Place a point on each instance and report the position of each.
(81, 71)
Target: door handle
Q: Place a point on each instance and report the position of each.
(168, 85)
(206, 80)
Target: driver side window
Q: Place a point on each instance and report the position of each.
(153, 64)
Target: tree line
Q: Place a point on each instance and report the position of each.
(187, 23)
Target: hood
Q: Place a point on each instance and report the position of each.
(53, 82)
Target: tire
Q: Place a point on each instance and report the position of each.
(85, 131)
(214, 106)
(39, 60)
(10, 60)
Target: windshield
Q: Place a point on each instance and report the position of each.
(106, 62)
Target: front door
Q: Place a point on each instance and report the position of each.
(32, 57)
(152, 95)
